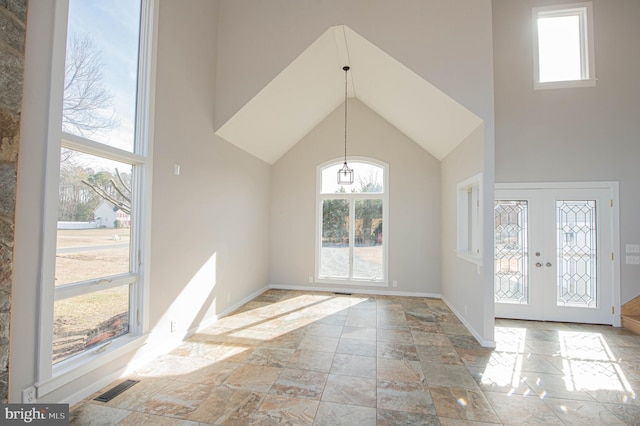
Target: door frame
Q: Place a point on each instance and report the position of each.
(613, 187)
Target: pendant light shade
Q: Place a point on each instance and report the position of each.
(345, 174)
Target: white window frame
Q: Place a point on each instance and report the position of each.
(584, 11)
(51, 377)
(352, 197)
(469, 220)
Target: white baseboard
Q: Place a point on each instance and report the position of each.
(478, 336)
(357, 290)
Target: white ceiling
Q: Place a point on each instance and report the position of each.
(312, 86)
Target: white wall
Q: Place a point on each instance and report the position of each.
(467, 287)
(210, 224)
(414, 213)
(580, 134)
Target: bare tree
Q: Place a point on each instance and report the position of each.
(86, 101)
(123, 201)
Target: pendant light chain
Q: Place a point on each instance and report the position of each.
(345, 174)
(346, 69)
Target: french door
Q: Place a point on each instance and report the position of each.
(553, 255)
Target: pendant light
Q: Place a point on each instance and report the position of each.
(345, 174)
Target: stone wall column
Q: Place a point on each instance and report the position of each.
(12, 37)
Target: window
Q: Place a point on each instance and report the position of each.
(93, 292)
(563, 46)
(469, 245)
(352, 229)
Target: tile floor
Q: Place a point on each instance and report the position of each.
(301, 358)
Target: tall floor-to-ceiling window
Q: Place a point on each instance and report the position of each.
(98, 191)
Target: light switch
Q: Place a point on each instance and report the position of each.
(176, 169)
(633, 260)
(633, 248)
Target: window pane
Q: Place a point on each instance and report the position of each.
(368, 178)
(559, 48)
(367, 252)
(93, 218)
(334, 255)
(101, 71)
(511, 252)
(82, 322)
(577, 254)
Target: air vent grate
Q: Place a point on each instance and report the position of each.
(116, 390)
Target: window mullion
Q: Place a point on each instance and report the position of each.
(352, 233)
(87, 146)
(103, 283)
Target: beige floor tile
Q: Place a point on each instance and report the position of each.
(334, 414)
(359, 333)
(573, 412)
(395, 335)
(392, 350)
(143, 419)
(319, 343)
(270, 356)
(356, 347)
(393, 418)
(431, 339)
(96, 415)
(453, 376)
(354, 365)
(409, 397)
(255, 378)
(463, 404)
(300, 384)
(278, 410)
(350, 390)
(178, 399)
(311, 360)
(226, 406)
(400, 370)
(522, 410)
(438, 354)
(326, 330)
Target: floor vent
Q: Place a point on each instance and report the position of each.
(116, 390)
(342, 294)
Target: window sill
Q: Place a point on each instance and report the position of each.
(470, 257)
(564, 84)
(69, 370)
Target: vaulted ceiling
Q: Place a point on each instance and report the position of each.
(312, 86)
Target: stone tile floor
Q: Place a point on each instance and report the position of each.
(311, 358)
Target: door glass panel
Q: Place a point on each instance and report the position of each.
(334, 255)
(577, 253)
(94, 221)
(367, 252)
(511, 252)
(85, 321)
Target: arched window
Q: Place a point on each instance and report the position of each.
(352, 228)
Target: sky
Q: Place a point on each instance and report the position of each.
(113, 26)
